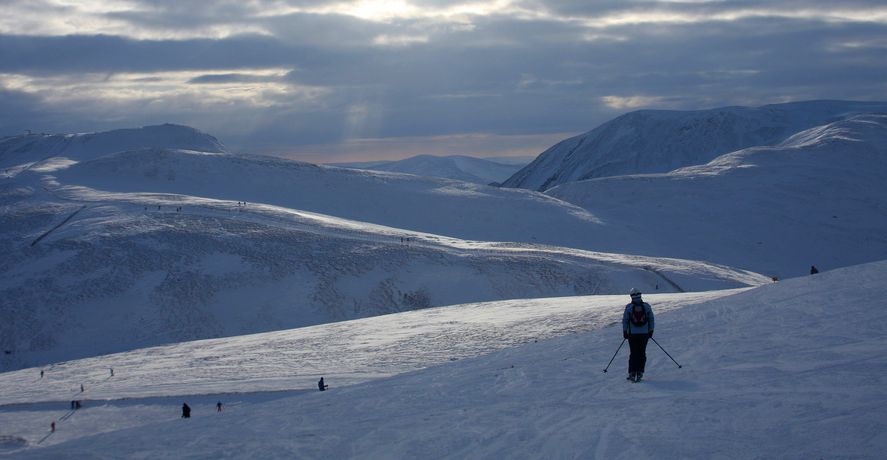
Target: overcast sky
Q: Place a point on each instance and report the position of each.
(342, 80)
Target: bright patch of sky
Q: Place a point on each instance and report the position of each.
(249, 87)
(328, 73)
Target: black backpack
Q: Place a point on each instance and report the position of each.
(638, 316)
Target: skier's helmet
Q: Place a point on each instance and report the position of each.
(635, 293)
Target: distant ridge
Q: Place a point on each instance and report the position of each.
(30, 148)
(657, 141)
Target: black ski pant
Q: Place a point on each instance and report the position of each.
(637, 343)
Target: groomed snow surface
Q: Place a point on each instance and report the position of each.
(794, 369)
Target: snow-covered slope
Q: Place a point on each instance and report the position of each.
(464, 168)
(424, 204)
(752, 385)
(153, 246)
(25, 150)
(346, 352)
(818, 198)
(121, 274)
(656, 141)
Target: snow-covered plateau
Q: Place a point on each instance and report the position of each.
(783, 370)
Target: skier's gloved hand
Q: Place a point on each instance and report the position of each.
(650, 334)
(625, 334)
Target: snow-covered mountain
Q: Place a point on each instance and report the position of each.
(23, 150)
(750, 385)
(458, 167)
(817, 198)
(160, 245)
(155, 245)
(657, 141)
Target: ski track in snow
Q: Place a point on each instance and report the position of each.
(67, 219)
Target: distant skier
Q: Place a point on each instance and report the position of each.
(186, 411)
(112, 372)
(637, 327)
(41, 374)
(813, 270)
(81, 388)
(322, 386)
(219, 406)
(52, 427)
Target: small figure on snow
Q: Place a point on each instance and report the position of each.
(41, 374)
(637, 327)
(81, 388)
(76, 404)
(52, 427)
(186, 411)
(322, 386)
(813, 270)
(112, 372)
(219, 406)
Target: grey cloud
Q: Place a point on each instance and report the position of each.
(504, 75)
(598, 8)
(103, 53)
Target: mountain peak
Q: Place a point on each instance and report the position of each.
(658, 141)
(31, 148)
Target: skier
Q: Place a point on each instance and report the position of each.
(81, 388)
(52, 427)
(637, 327)
(41, 374)
(322, 386)
(219, 406)
(112, 372)
(813, 270)
(186, 411)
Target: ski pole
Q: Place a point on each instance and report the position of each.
(663, 349)
(614, 355)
